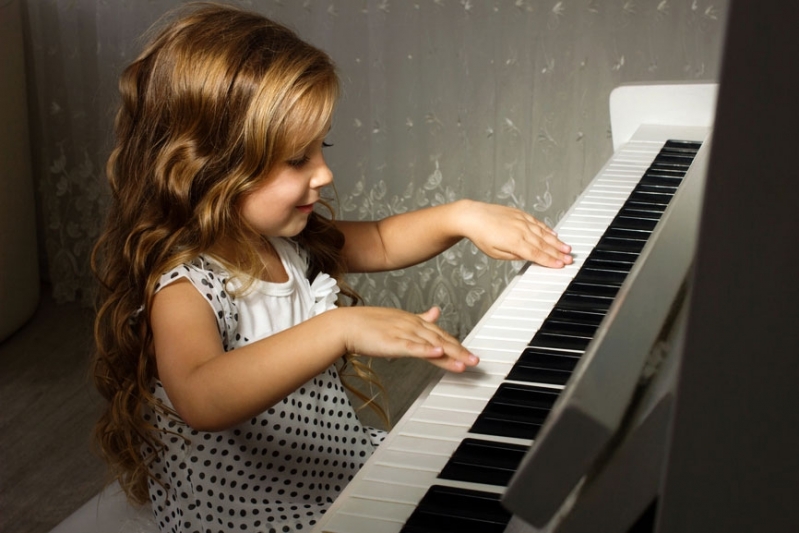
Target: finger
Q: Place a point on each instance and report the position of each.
(549, 235)
(535, 249)
(431, 315)
(546, 250)
(556, 243)
(452, 365)
(432, 337)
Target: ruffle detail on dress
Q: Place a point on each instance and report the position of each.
(325, 293)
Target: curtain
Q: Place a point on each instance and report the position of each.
(503, 101)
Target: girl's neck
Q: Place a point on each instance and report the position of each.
(272, 269)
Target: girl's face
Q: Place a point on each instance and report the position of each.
(281, 205)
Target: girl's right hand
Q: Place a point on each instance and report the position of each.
(388, 332)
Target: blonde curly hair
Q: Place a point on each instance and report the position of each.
(217, 97)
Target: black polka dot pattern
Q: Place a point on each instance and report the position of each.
(278, 471)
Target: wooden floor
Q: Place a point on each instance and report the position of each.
(48, 407)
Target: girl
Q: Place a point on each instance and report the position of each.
(217, 328)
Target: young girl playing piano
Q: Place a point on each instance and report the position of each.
(217, 330)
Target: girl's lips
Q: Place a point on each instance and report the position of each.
(305, 208)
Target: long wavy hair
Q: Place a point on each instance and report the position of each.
(217, 97)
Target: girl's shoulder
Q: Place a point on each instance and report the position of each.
(210, 279)
(204, 273)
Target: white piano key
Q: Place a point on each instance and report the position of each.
(389, 490)
(428, 443)
(540, 287)
(474, 378)
(390, 512)
(445, 417)
(452, 403)
(343, 522)
(495, 368)
(588, 223)
(422, 477)
(404, 476)
(426, 430)
(490, 343)
(492, 357)
(583, 239)
(495, 341)
(462, 389)
(511, 322)
(415, 460)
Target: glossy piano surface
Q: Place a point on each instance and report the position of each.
(475, 427)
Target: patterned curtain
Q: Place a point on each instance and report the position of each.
(503, 101)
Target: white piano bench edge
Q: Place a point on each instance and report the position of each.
(109, 512)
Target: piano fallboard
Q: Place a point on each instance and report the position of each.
(451, 412)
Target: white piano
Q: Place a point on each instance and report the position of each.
(466, 435)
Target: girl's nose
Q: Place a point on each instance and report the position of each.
(322, 176)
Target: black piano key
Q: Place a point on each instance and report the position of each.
(668, 170)
(612, 256)
(643, 209)
(576, 316)
(625, 221)
(538, 365)
(618, 244)
(480, 461)
(611, 264)
(633, 234)
(594, 289)
(565, 327)
(633, 211)
(683, 155)
(597, 275)
(453, 510)
(581, 302)
(560, 341)
(675, 161)
(661, 179)
(678, 145)
(656, 189)
(651, 198)
(515, 411)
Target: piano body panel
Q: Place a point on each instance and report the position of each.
(635, 104)
(385, 493)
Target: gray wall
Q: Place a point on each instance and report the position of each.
(500, 101)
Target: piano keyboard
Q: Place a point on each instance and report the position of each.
(445, 465)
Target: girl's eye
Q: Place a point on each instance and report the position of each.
(298, 162)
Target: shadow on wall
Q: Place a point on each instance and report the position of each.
(19, 270)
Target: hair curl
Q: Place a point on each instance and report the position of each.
(216, 98)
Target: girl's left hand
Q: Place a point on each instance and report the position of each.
(511, 234)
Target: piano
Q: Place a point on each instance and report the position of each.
(447, 463)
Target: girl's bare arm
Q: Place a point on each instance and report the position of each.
(410, 238)
(212, 389)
